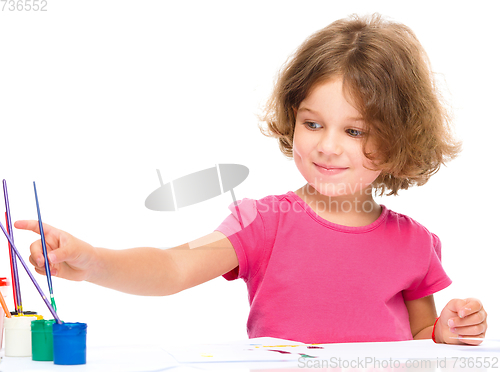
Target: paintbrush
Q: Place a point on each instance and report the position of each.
(44, 248)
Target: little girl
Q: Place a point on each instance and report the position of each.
(357, 109)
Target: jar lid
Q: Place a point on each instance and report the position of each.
(4, 281)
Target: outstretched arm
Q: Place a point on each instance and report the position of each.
(142, 271)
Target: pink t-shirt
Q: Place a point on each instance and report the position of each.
(314, 281)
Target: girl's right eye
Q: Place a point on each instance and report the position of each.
(312, 124)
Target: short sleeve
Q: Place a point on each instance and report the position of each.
(434, 279)
(245, 229)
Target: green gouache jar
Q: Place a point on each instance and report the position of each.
(42, 346)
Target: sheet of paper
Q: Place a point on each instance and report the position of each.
(272, 349)
(263, 349)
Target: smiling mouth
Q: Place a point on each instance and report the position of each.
(329, 170)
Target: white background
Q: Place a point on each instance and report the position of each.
(97, 95)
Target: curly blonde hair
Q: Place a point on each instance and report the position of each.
(386, 73)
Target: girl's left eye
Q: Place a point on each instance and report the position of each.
(354, 132)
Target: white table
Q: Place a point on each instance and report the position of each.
(384, 356)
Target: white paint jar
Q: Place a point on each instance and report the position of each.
(18, 336)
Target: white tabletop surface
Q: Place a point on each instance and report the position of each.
(418, 355)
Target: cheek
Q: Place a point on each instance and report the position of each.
(368, 175)
(369, 166)
(301, 144)
(299, 155)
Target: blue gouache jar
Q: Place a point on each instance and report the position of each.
(70, 343)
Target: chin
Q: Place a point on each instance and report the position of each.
(329, 189)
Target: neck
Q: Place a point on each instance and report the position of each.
(357, 209)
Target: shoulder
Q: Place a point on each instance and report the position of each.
(258, 212)
(409, 227)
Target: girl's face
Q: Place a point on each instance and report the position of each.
(327, 143)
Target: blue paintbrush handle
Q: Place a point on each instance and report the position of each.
(44, 246)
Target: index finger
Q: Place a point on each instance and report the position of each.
(50, 232)
(32, 225)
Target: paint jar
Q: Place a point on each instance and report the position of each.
(18, 336)
(4, 289)
(41, 340)
(70, 343)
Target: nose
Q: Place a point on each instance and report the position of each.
(330, 144)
